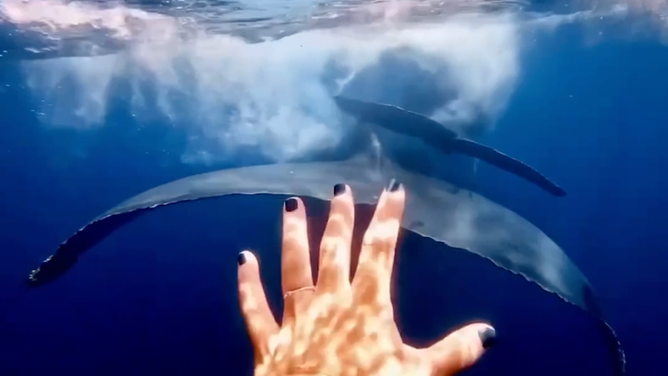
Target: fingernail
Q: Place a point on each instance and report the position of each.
(393, 186)
(488, 337)
(339, 189)
(291, 204)
(241, 258)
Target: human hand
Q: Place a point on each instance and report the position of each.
(338, 327)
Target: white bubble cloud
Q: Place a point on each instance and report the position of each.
(273, 97)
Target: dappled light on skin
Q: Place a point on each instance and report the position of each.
(337, 326)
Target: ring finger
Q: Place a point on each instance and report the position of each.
(295, 259)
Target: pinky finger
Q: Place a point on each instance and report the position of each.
(260, 322)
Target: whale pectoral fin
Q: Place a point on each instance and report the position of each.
(504, 162)
(435, 209)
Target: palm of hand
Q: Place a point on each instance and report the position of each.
(337, 327)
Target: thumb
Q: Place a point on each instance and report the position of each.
(461, 348)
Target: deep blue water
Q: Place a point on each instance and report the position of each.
(159, 295)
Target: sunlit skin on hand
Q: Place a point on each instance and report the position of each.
(337, 327)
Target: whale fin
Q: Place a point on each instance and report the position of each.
(505, 162)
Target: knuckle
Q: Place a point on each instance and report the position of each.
(330, 244)
(369, 239)
(294, 236)
(294, 224)
(338, 225)
(381, 236)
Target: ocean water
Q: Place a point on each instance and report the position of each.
(102, 100)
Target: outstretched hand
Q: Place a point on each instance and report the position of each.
(337, 327)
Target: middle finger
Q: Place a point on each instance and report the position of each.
(374, 269)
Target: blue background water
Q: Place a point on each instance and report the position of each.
(159, 295)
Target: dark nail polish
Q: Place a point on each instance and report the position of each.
(488, 337)
(393, 186)
(339, 189)
(241, 258)
(291, 204)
